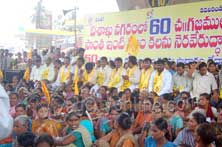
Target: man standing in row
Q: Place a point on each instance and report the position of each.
(160, 80)
(181, 81)
(203, 82)
(132, 78)
(48, 72)
(116, 78)
(147, 69)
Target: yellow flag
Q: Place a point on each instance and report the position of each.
(45, 92)
(1, 75)
(76, 79)
(220, 96)
(26, 76)
(30, 54)
(132, 47)
(76, 88)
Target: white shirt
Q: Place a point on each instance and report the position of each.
(74, 59)
(203, 84)
(135, 79)
(182, 82)
(123, 73)
(166, 85)
(60, 72)
(93, 77)
(36, 74)
(6, 121)
(220, 79)
(106, 71)
(51, 71)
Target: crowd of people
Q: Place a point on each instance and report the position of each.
(64, 100)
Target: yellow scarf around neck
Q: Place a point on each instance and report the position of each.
(65, 75)
(127, 83)
(45, 92)
(115, 77)
(157, 82)
(100, 78)
(144, 79)
(75, 81)
(26, 76)
(87, 76)
(45, 73)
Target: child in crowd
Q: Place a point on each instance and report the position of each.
(44, 141)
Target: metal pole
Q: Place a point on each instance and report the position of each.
(75, 26)
(75, 15)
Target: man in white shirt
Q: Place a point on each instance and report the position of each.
(78, 70)
(78, 53)
(48, 72)
(160, 80)
(132, 78)
(181, 81)
(65, 73)
(6, 121)
(36, 74)
(103, 74)
(146, 72)
(116, 78)
(203, 82)
(74, 56)
(90, 75)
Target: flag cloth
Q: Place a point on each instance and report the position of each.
(76, 88)
(76, 79)
(1, 75)
(132, 47)
(220, 95)
(26, 76)
(45, 92)
(30, 54)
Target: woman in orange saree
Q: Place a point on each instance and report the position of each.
(43, 124)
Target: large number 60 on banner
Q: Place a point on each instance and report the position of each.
(185, 31)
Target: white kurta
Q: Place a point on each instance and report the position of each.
(60, 73)
(135, 79)
(120, 75)
(51, 71)
(6, 121)
(36, 74)
(166, 82)
(106, 71)
(203, 84)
